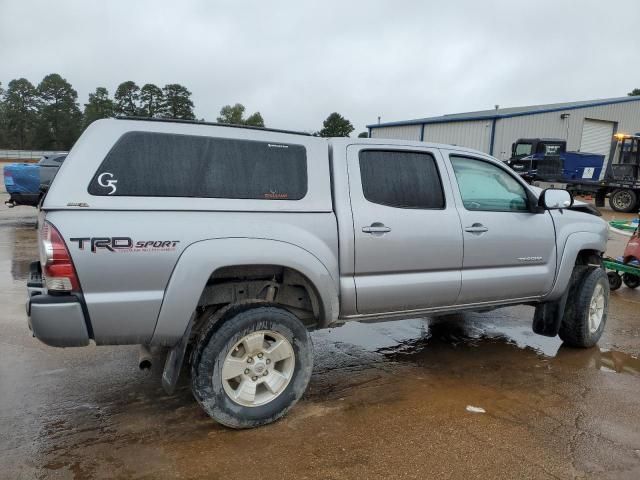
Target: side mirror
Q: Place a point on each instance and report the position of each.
(555, 198)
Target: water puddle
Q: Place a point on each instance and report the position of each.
(18, 248)
(618, 362)
(29, 221)
(471, 339)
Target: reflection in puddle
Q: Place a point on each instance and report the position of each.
(19, 246)
(500, 333)
(619, 362)
(20, 269)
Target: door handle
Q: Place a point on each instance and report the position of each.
(376, 227)
(476, 228)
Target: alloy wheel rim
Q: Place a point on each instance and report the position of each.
(258, 368)
(596, 308)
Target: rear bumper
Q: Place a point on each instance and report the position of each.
(56, 320)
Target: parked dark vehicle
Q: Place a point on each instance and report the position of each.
(547, 159)
(26, 182)
(540, 161)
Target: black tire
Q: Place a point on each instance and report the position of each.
(615, 280)
(225, 330)
(575, 330)
(631, 280)
(623, 200)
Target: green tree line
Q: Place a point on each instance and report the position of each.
(48, 116)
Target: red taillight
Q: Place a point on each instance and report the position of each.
(57, 266)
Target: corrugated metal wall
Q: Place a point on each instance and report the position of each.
(475, 134)
(508, 130)
(403, 132)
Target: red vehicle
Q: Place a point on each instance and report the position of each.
(629, 266)
(632, 250)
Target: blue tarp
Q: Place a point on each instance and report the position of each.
(22, 178)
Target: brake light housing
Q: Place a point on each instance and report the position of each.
(58, 271)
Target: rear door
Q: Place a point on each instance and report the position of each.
(509, 252)
(407, 235)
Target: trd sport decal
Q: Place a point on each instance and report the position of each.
(125, 244)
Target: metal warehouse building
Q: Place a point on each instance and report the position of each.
(588, 126)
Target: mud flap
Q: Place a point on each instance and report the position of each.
(548, 316)
(175, 359)
(600, 195)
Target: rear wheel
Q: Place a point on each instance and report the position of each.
(615, 280)
(623, 200)
(586, 314)
(252, 366)
(631, 280)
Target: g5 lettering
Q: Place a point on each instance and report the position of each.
(110, 183)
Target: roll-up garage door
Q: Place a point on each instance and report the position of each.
(597, 136)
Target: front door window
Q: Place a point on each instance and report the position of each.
(485, 187)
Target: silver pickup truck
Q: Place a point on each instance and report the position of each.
(226, 245)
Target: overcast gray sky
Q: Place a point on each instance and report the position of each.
(298, 61)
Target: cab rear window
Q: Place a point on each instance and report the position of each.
(171, 165)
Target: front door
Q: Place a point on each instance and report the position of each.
(407, 235)
(509, 251)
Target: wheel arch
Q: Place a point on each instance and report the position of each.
(276, 284)
(588, 256)
(579, 248)
(202, 261)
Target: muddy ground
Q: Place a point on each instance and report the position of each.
(387, 400)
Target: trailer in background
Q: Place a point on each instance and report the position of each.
(547, 159)
(545, 162)
(619, 179)
(26, 182)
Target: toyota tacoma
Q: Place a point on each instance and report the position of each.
(227, 245)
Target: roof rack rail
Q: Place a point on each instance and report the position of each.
(198, 122)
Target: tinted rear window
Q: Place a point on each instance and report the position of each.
(169, 165)
(401, 179)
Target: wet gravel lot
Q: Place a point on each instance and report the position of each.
(386, 400)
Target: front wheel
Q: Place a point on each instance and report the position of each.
(586, 314)
(623, 200)
(253, 366)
